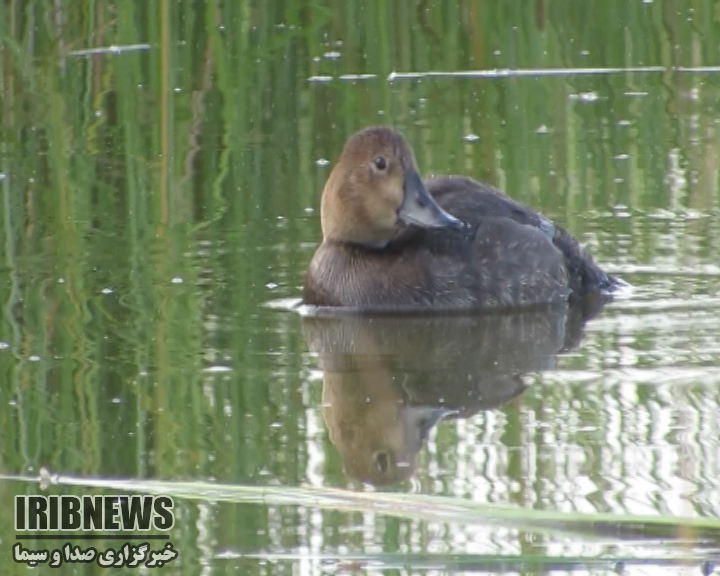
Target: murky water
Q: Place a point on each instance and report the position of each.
(159, 206)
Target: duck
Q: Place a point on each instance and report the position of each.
(393, 241)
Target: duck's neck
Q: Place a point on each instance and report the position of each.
(372, 244)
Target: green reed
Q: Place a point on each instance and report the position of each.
(119, 165)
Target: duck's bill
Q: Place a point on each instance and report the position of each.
(420, 208)
(418, 421)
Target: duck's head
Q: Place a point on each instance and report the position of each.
(375, 189)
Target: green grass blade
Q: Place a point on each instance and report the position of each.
(415, 507)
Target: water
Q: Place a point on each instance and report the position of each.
(161, 169)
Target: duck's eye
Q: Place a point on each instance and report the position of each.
(380, 163)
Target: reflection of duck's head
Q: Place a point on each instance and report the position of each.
(377, 435)
(375, 188)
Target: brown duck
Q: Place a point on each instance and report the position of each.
(392, 242)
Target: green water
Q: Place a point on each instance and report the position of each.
(155, 197)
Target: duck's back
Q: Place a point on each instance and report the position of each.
(476, 203)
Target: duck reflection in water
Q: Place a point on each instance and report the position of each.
(387, 381)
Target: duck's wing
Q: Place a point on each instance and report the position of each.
(474, 201)
(516, 264)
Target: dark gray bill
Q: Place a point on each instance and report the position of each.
(420, 208)
(418, 421)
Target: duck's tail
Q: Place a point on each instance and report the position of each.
(586, 277)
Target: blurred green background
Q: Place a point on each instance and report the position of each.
(160, 171)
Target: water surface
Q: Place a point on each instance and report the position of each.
(160, 175)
